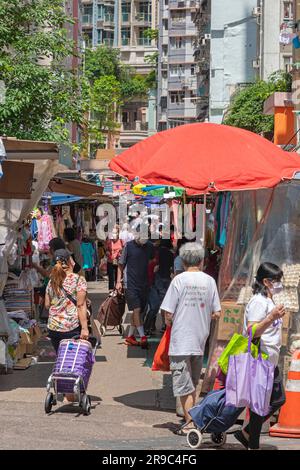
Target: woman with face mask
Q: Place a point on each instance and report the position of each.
(262, 312)
(113, 248)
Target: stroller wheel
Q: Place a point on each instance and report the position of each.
(219, 439)
(102, 330)
(49, 402)
(86, 404)
(194, 438)
(121, 330)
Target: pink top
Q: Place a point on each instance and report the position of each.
(113, 249)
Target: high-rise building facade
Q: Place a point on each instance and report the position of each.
(177, 79)
(275, 20)
(122, 24)
(233, 52)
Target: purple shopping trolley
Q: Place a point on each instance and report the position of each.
(72, 371)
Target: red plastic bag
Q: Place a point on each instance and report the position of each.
(161, 359)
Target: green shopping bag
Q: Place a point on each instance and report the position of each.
(238, 345)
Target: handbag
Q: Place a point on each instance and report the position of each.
(161, 359)
(238, 345)
(250, 381)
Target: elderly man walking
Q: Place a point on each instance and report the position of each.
(190, 304)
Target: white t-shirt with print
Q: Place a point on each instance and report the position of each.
(192, 297)
(257, 310)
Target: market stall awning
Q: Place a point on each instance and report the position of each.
(207, 157)
(74, 187)
(17, 180)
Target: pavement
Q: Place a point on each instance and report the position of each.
(132, 407)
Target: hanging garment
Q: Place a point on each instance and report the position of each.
(46, 232)
(223, 236)
(296, 42)
(34, 229)
(88, 251)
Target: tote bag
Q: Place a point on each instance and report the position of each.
(161, 359)
(238, 345)
(250, 381)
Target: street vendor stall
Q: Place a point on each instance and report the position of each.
(263, 224)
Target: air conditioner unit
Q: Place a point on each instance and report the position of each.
(207, 37)
(256, 11)
(256, 64)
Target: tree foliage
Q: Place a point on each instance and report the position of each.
(246, 109)
(43, 94)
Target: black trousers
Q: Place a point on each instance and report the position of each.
(112, 271)
(255, 423)
(57, 336)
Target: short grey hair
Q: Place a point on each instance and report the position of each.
(191, 254)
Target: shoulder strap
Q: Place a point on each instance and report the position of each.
(69, 296)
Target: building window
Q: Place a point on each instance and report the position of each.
(125, 36)
(126, 12)
(142, 39)
(176, 70)
(177, 43)
(193, 69)
(87, 15)
(177, 97)
(287, 63)
(288, 10)
(178, 17)
(144, 11)
(165, 25)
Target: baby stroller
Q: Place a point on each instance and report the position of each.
(111, 313)
(212, 416)
(72, 371)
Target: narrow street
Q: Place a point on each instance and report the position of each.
(132, 407)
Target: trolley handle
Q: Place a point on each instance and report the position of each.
(92, 339)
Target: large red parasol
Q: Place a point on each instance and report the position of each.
(206, 157)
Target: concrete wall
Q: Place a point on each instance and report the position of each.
(270, 46)
(233, 50)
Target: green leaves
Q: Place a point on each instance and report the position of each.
(43, 93)
(246, 109)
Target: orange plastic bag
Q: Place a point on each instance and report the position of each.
(161, 359)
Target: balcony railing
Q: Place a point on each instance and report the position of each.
(87, 19)
(135, 126)
(108, 18)
(108, 42)
(143, 17)
(125, 41)
(144, 42)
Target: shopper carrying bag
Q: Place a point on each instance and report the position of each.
(255, 375)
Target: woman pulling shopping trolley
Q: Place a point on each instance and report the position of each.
(69, 334)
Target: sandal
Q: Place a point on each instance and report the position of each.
(183, 430)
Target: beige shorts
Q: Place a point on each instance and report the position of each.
(186, 373)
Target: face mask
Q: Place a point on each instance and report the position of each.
(276, 288)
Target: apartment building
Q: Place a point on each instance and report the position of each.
(275, 20)
(233, 52)
(177, 74)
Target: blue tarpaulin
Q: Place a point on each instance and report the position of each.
(57, 199)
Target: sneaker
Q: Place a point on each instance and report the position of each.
(131, 341)
(144, 342)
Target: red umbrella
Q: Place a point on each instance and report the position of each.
(206, 157)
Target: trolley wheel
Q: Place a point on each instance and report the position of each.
(219, 439)
(86, 404)
(194, 438)
(121, 330)
(102, 330)
(49, 402)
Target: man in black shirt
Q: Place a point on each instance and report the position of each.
(133, 271)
